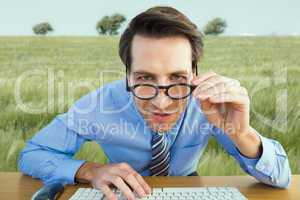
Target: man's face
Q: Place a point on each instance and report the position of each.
(160, 61)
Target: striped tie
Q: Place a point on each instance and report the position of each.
(159, 165)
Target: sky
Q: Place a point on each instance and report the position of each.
(79, 17)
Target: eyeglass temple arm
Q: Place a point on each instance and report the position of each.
(127, 86)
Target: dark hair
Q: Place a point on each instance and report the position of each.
(160, 22)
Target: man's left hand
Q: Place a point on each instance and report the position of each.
(226, 104)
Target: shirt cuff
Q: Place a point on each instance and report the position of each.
(264, 163)
(248, 162)
(267, 160)
(67, 170)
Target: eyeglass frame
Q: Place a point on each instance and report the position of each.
(158, 87)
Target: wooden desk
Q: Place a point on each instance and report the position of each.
(14, 185)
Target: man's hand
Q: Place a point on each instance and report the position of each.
(122, 176)
(226, 104)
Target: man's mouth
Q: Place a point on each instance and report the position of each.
(161, 117)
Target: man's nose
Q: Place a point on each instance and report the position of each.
(161, 101)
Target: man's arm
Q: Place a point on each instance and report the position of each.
(226, 104)
(242, 142)
(270, 167)
(48, 155)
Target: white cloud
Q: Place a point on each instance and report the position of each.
(247, 34)
(295, 34)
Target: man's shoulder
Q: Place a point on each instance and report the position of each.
(112, 94)
(114, 87)
(104, 104)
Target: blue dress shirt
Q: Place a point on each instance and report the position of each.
(110, 117)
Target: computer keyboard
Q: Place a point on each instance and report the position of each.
(169, 193)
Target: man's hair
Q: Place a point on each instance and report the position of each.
(159, 22)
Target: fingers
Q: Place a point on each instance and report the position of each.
(135, 180)
(138, 177)
(134, 184)
(197, 80)
(119, 183)
(219, 89)
(144, 184)
(226, 97)
(216, 81)
(123, 177)
(108, 192)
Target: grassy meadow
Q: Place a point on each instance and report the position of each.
(269, 67)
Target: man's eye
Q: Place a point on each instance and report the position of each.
(145, 78)
(177, 78)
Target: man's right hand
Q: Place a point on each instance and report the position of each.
(121, 175)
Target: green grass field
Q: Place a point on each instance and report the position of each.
(268, 66)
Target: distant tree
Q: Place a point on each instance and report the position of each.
(42, 28)
(104, 25)
(109, 25)
(215, 27)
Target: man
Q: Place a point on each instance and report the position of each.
(157, 121)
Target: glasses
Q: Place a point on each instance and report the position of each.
(175, 91)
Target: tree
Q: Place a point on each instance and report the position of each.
(110, 24)
(42, 28)
(215, 27)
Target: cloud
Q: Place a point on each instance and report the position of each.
(247, 34)
(295, 34)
